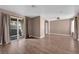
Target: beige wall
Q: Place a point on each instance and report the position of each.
(78, 25)
(42, 27)
(36, 26)
(60, 26)
(0, 29)
(30, 26)
(27, 26)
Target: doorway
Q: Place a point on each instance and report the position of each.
(13, 28)
(46, 27)
(16, 28)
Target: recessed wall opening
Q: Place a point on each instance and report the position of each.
(46, 27)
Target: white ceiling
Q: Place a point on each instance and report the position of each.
(47, 11)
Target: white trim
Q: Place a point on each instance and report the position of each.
(38, 37)
(42, 36)
(15, 17)
(60, 34)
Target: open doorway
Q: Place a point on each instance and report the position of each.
(46, 27)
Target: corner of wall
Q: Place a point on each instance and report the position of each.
(42, 34)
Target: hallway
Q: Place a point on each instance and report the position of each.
(55, 44)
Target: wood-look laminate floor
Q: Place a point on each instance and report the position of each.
(51, 44)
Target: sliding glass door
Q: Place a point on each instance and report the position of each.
(16, 28)
(20, 28)
(13, 28)
(20, 25)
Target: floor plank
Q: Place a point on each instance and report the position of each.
(51, 44)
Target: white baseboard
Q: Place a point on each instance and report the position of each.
(42, 36)
(38, 37)
(61, 34)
